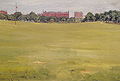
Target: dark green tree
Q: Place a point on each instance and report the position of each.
(97, 17)
(3, 16)
(89, 17)
(17, 15)
(33, 17)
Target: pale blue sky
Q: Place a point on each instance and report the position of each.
(38, 6)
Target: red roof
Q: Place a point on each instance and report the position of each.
(55, 14)
(78, 14)
(3, 12)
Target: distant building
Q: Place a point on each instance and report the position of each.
(55, 14)
(78, 14)
(3, 12)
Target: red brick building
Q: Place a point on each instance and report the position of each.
(78, 14)
(55, 14)
(3, 12)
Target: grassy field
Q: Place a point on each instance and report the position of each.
(59, 52)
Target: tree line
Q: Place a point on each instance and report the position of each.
(112, 16)
(33, 17)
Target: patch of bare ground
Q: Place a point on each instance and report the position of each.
(39, 62)
(86, 72)
(13, 62)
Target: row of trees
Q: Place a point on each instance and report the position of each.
(110, 16)
(33, 17)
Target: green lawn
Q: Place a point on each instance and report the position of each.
(59, 52)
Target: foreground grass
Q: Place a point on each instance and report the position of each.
(59, 52)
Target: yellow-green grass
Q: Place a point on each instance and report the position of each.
(57, 52)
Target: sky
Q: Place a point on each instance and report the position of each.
(26, 6)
